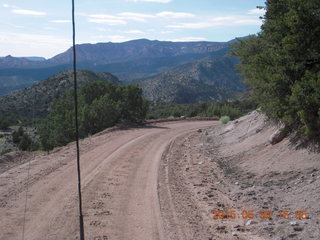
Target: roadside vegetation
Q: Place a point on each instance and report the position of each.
(282, 64)
(225, 119)
(101, 105)
(233, 109)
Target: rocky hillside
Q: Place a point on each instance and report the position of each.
(128, 60)
(38, 97)
(205, 80)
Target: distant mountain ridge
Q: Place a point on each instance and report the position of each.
(105, 53)
(183, 72)
(130, 60)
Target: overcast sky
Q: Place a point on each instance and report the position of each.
(43, 27)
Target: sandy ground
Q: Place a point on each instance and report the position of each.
(233, 167)
(164, 181)
(258, 176)
(119, 180)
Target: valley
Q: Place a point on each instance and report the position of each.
(151, 64)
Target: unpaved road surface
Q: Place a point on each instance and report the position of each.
(119, 181)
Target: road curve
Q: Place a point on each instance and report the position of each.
(119, 183)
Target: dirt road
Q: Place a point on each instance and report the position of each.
(119, 180)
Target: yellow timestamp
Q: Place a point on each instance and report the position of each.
(263, 214)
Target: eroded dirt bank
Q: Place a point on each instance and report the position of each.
(234, 167)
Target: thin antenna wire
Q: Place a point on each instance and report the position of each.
(76, 123)
(26, 200)
(28, 168)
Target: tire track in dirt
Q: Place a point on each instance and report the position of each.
(120, 174)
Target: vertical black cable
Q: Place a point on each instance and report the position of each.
(29, 166)
(76, 122)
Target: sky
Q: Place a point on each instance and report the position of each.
(43, 27)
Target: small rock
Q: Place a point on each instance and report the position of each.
(277, 136)
(200, 163)
(236, 183)
(221, 227)
(298, 229)
(294, 223)
(206, 133)
(219, 204)
(234, 234)
(292, 235)
(251, 222)
(199, 130)
(311, 181)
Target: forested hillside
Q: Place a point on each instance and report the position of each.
(210, 79)
(36, 100)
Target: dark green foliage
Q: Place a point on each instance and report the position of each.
(35, 101)
(7, 120)
(282, 63)
(4, 124)
(234, 109)
(22, 139)
(101, 105)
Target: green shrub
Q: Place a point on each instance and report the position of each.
(22, 139)
(224, 119)
(4, 124)
(101, 105)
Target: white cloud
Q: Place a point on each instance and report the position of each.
(158, 1)
(139, 17)
(101, 29)
(22, 44)
(133, 32)
(60, 21)
(28, 12)
(109, 38)
(218, 21)
(119, 19)
(257, 11)
(188, 39)
(31, 38)
(196, 25)
(5, 5)
(248, 22)
(167, 14)
(165, 32)
(106, 19)
(110, 22)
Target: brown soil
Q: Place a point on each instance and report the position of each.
(163, 181)
(119, 180)
(233, 167)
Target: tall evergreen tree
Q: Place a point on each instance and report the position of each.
(282, 63)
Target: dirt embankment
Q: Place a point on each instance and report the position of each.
(234, 167)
